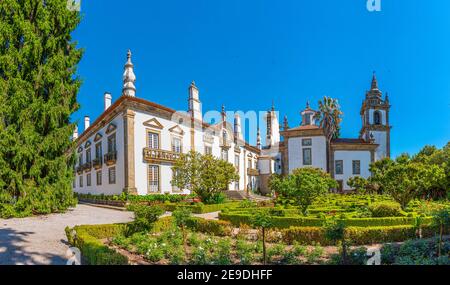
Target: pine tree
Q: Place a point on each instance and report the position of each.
(38, 88)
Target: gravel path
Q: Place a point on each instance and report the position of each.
(42, 240)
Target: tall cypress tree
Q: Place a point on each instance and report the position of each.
(38, 88)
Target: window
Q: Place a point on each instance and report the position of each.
(80, 159)
(153, 178)
(176, 145)
(88, 155)
(153, 140)
(98, 151)
(236, 162)
(112, 175)
(74, 183)
(356, 167)
(339, 168)
(377, 118)
(225, 154)
(175, 173)
(307, 156)
(225, 137)
(112, 143)
(99, 178)
(307, 119)
(81, 181)
(307, 142)
(88, 180)
(256, 164)
(208, 150)
(250, 163)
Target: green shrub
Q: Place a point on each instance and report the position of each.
(94, 252)
(385, 209)
(212, 227)
(145, 217)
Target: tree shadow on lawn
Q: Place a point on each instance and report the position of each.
(13, 250)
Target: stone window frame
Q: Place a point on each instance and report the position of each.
(377, 118)
(222, 152)
(310, 162)
(336, 167)
(175, 189)
(114, 148)
(97, 155)
(172, 144)
(88, 180)
(154, 132)
(149, 180)
(208, 146)
(307, 142)
(356, 167)
(99, 181)
(110, 171)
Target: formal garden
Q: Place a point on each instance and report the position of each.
(403, 210)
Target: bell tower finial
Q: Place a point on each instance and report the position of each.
(129, 78)
(374, 84)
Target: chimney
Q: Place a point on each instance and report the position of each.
(108, 100)
(237, 128)
(87, 123)
(195, 106)
(75, 133)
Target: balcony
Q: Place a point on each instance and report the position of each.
(158, 155)
(80, 169)
(252, 172)
(110, 158)
(87, 166)
(97, 163)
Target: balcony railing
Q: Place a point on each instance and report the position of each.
(110, 158)
(97, 163)
(252, 172)
(87, 166)
(159, 155)
(80, 169)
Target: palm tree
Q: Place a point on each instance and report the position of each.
(330, 117)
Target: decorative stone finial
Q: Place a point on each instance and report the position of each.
(129, 78)
(285, 124)
(374, 82)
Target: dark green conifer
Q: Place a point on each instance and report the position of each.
(38, 88)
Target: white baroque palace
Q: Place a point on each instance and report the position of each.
(132, 145)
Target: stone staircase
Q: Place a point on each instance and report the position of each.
(243, 195)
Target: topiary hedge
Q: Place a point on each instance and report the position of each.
(355, 235)
(200, 208)
(93, 250)
(237, 218)
(212, 227)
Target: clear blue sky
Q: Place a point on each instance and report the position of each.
(244, 54)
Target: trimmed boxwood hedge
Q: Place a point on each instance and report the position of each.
(201, 208)
(355, 235)
(93, 251)
(299, 221)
